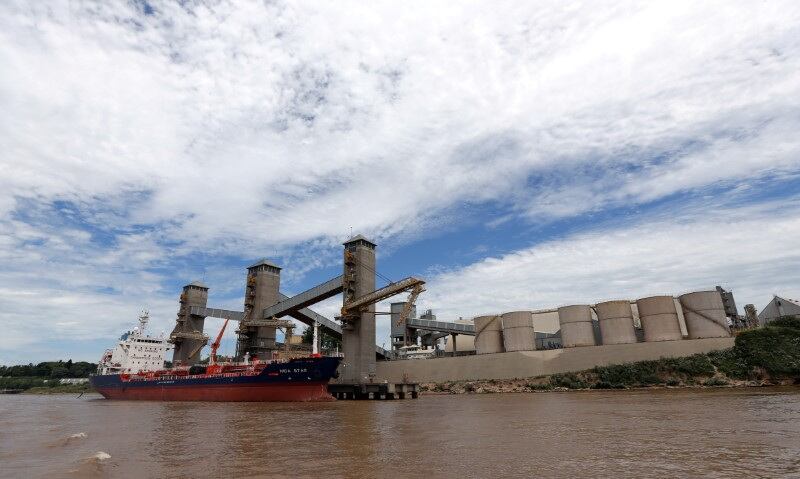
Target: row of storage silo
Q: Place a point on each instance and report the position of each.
(659, 316)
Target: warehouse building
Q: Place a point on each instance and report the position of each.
(779, 307)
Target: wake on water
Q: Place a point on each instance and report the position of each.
(92, 466)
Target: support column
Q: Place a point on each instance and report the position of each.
(453, 338)
(358, 334)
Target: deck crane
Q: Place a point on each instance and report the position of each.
(215, 345)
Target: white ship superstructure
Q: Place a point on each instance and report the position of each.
(135, 351)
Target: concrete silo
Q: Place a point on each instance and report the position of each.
(659, 318)
(518, 332)
(576, 326)
(488, 335)
(616, 322)
(704, 313)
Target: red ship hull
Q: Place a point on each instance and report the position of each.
(239, 393)
(299, 379)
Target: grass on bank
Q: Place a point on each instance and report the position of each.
(46, 376)
(761, 356)
(61, 389)
(42, 386)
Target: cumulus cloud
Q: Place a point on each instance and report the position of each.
(749, 249)
(151, 133)
(280, 123)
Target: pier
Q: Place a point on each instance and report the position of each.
(374, 391)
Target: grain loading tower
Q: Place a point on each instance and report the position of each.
(187, 336)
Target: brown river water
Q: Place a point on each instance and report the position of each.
(654, 433)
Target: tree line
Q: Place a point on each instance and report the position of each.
(50, 370)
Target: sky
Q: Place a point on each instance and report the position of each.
(515, 155)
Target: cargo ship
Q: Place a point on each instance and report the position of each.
(134, 370)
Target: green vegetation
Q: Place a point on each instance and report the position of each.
(45, 376)
(326, 341)
(775, 348)
(23, 383)
(568, 380)
(539, 386)
(61, 389)
(768, 355)
(42, 386)
(715, 381)
(50, 369)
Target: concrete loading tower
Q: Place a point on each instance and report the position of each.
(264, 305)
(188, 336)
(262, 290)
(358, 331)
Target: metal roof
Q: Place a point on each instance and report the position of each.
(358, 238)
(262, 262)
(789, 300)
(198, 283)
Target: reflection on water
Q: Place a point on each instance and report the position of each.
(720, 433)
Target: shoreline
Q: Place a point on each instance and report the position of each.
(521, 386)
(511, 387)
(64, 389)
(767, 356)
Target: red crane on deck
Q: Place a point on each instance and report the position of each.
(212, 360)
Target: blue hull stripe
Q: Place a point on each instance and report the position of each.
(296, 371)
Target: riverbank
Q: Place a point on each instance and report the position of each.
(41, 386)
(46, 377)
(588, 380)
(768, 356)
(60, 389)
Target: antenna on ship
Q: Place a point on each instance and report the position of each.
(143, 319)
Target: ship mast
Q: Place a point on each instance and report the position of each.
(143, 320)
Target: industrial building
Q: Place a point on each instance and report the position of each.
(696, 315)
(515, 342)
(658, 318)
(778, 307)
(265, 306)
(569, 338)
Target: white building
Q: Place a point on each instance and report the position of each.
(779, 307)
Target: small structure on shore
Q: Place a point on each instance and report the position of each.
(778, 307)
